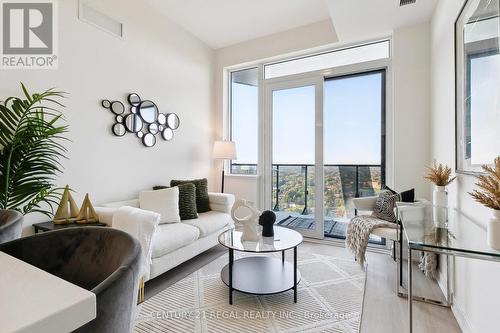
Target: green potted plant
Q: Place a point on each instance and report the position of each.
(31, 150)
(489, 196)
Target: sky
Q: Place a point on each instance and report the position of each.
(352, 122)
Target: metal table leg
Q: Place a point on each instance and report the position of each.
(295, 274)
(283, 256)
(231, 260)
(410, 292)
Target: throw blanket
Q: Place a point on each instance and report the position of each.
(358, 235)
(140, 224)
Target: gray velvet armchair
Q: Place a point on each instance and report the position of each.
(105, 261)
(11, 225)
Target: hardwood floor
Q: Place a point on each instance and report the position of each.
(383, 310)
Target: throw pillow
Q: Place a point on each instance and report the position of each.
(187, 200)
(405, 196)
(384, 206)
(164, 202)
(202, 200)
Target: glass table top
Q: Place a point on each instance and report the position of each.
(444, 229)
(284, 239)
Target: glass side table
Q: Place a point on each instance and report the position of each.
(261, 275)
(429, 228)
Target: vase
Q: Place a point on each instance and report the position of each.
(249, 222)
(440, 203)
(494, 230)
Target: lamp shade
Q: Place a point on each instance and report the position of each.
(224, 150)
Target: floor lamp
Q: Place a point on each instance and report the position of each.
(224, 150)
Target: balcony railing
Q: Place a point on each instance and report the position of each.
(294, 184)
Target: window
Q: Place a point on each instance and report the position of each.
(244, 115)
(347, 56)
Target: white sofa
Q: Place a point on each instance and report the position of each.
(175, 243)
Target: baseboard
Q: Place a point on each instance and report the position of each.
(461, 318)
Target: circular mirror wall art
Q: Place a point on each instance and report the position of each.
(144, 119)
(119, 129)
(173, 121)
(162, 119)
(117, 107)
(134, 99)
(153, 129)
(133, 123)
(149, 140)
(148, 111)
(167, 134)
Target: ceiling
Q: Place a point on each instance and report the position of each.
(220, 23)
(362, 19)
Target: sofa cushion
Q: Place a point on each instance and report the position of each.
(172, 236)
(164, 202)
(187, 200)
(202, 199)
(210, 222)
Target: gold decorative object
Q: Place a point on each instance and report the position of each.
(439, 174)
(67, 211)
(140, 296)
(87, 213)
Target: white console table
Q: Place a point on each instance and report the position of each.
(33, 300)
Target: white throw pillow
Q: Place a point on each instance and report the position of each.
(164, 202)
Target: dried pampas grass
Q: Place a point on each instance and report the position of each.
(489, 186)
(439, 174)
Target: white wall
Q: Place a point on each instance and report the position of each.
(411, 123)
(477, 292)
(156, 59)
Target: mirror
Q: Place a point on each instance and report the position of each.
(167, 134)
(119, 130)
(153, 129)
(142, 118)
(133, 123)
(105, 103)
(148, 111)
(173, 121)
(117, 107)
(149, 140)
(477, 85)
(134, 99)
(162, 119)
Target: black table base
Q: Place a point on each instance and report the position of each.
(260, 275)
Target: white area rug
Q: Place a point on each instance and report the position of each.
(330, 299)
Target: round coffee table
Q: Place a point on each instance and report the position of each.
(261, 275)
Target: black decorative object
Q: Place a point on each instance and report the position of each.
(144, 119)
(266, 220)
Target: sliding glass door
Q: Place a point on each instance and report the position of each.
(295, 113)
(324, 143)
(354, 145)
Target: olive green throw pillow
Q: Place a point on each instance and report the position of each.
(202, 200)
(187, 200)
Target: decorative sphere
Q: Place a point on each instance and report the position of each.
(267, 217)
(266, 220)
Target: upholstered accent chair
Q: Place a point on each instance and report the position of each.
(103, 260)
(11, 225)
